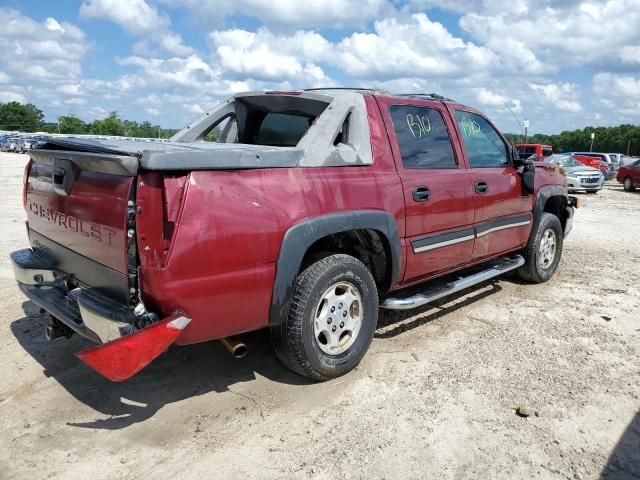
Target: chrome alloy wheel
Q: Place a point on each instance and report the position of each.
(547, 252)
(338, 318)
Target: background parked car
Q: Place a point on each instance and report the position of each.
(579, 176)
(525, 150)
(616, 157)
(610, 159)
(25, 145)
(626, 160)
(629, 176)
(11, 145)
(588, 161)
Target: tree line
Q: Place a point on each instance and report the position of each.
(29, 118)
(623, 139)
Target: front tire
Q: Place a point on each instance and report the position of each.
(628, 184)
(543, 251)
(332, 318)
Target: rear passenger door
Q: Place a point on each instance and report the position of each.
(436, 186)
(503, 205)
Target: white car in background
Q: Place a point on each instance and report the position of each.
(579, 176)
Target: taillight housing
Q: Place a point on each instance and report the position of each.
(25, 182)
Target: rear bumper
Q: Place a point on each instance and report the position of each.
(85, 311)
(128, 342)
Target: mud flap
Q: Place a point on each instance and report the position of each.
(122, 358)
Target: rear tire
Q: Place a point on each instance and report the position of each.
(628, 184)
(543, 251)
(332, 318)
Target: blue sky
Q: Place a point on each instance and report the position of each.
(562, 64)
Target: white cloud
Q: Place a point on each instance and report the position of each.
(191, 72)
(48, 50)
(616, 85)
(619, 94)
(264, 56)
(630, 54)
(290, 14)
(561, 33)
(173, 44)
(416, 47)
(407, 47)
(75, 101)
(194, 108)
(8, 96)
(563, 96)
(511, 7)
(71, 89)
(489, 98)
(97, 113)
(135, 16)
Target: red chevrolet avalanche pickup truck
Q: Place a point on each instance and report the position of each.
(310, 211)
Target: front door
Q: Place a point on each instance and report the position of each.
(436, 184)
(503, 205)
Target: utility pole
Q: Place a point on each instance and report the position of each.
(525, 124)
(58, 127)
(628, 146)
(593, 135)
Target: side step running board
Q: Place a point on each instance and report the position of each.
(495, 268)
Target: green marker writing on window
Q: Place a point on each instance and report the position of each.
(470, 127)
(418, 126)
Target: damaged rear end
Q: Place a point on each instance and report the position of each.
(82, 267)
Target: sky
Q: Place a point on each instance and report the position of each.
(561, 64)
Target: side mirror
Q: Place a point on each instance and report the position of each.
(529, 174)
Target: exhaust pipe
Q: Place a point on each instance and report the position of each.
(236, 346)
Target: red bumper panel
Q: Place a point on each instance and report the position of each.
(122, 358)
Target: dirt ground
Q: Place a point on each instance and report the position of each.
(434, 398)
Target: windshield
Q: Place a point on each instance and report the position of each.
(563, 160)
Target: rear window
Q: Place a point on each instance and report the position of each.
(272, 120)
(282, 130)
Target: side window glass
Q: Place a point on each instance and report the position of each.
(484, 146)
(423, 138)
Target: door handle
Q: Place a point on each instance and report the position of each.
(481, 187)
(64, 174)
(421, 194)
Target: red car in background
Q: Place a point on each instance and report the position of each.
(589, 161)
(629, 176)
(525, 150)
